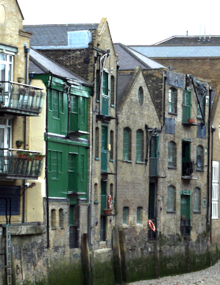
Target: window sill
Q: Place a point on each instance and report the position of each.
(113, 106)
(199, 170)
(97, 101)
(97, 158)
(171, 212)
(215, 218)
(140, 162)
(111, 160)
(172, 167)
(127, 161)
(125, 226)
(139, 225)
(196, 212)
(171, 113)
(53, 228)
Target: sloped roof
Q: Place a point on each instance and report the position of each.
(123, 82)
(129, 59)
(202, 40)
(54, 35)
(40, 64)
(178, 51)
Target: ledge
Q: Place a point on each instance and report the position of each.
(26, 229)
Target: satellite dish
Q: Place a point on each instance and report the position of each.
(199, 161)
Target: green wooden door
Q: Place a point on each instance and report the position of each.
(105, 97)
(154, 155)
(185, 207)
(151, 208)
(78, 113)
(73, 113)
(103, 196)
(186, 106)
(104, 149)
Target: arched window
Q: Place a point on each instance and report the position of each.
(171, 199)
(199, 158)
(112, 90)
(172, 100)
(53, 219)
(97, 142)
(140, 95)
(196, 204)
(125, 215)
(127, 144)
(139, 146)
(139, 215)
(112, 145)
(61, 218)
(171, 154)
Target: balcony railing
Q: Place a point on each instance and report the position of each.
(22, 164)
(20, 98)
(153, 167)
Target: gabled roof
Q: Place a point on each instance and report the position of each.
(178, 51)
(123, 82)
(55, 35)
(40, 64)
(129, 59)
(202, 40)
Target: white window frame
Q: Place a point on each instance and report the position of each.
(7, 127)
(215, 189)
(7, 63)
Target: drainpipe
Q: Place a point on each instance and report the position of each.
(208, 170)
(116, 140)
(26, 51)
(213, 130)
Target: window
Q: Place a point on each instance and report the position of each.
(139, 146)
(112, 90)
(215, 189)
(61, 218)
(57, 103)
(171, 199)
(53, 219)
(139, 215)
(72, 172)
(186, 106)
(171, 154)
(125, 215)
(105, 83)
(97, 143)
(140, 95)
(196, 204)
(73, 104)
(10, 193)
(199, 158)
(127, 144)
(6, 67)
(172, 100)
(55, 163)
(112, 145)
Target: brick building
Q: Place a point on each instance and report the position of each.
(169, 183)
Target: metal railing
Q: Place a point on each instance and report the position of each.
(21, 97)
(20, 164)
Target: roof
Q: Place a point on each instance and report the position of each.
(190, 40)
(178, 51)
(129, 59)
(55, 35)
(40, 64)
(123, 81)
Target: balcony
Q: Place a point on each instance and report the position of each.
(20, 99)
(20, 164)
